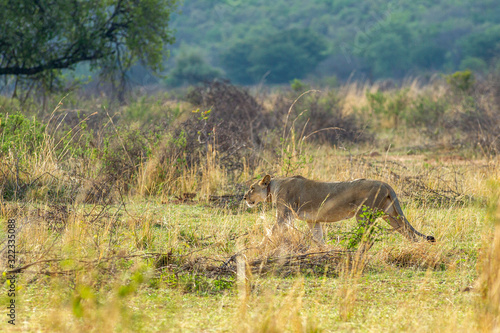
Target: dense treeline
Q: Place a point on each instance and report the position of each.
(247, 41)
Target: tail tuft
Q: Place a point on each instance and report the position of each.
(430, 239)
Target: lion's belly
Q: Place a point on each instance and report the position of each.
(332, 214)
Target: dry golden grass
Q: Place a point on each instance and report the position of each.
(152, 259)
(488, 313)
(98, 284)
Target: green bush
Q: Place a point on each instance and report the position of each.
(299, 86)
(366, 230)
(192, 68)
(425, 111)
(474, 64)
(123, 153)
(23, 133)
(391, 106)
(461, 82)
(377, 101)
(152, 111)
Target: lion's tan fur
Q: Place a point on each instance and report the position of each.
(318, 202)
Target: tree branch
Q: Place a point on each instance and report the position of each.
(60, 63)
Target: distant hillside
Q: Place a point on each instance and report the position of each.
(279, 40)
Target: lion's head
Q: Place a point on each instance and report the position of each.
(259, 191)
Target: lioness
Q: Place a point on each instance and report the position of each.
(316, 202)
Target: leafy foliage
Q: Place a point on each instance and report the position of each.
(393, 107)
(387, 54)
(367, 229)
(40, 38)
(483, 43)
(192, 68)
(374, 39)
(20, 133)
(461, 82)
(278, 57)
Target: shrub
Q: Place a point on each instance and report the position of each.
(461, 82)
(192, 68)
(392, 106)
(366, 230)
(228, 119)
(299, 86)
(426, 112)
(474, 64)
(19, 131)
(318, 117)
(123, 153)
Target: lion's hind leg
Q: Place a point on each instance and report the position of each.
(398, 221)
(392, 218)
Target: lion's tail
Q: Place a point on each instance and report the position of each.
(408, 230)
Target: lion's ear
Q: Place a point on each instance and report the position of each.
(266, 180)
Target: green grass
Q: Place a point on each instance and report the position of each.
(391, 300)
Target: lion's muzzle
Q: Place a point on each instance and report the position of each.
(248, 201)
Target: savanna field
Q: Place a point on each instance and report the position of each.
(129, 217)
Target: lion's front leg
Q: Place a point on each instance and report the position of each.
(317, 232)
(284, 218)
